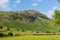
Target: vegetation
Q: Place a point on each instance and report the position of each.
(25, 20)
(57, 18)
(49, 37)
(14, 23)
(1, 34)
(10, 34)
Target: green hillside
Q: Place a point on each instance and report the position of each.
(26, 20)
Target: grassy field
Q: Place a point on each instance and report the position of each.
(48, 37)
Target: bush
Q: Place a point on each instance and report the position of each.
(1, 35)
(48, 32)
(37, 31)
(23, 30)
(18, 30)
(10, 34)
(59, 30)
(1, 27)
(8, 28)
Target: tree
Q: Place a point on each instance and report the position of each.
(57, 17)
(58, 1)
(10, 34)
(37, 31)
(1, 27)
(23, 30)
(8, 29)
(1, 35)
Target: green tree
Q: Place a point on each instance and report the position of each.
(58, 1)
(57, 17)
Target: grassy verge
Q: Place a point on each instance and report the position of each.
(44, 37)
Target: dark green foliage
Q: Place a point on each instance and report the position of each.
(57, 17)
(18, 30)
(10, 34)
(48, 32)
(58, 1)
(37, 31)
(59, 30)
(1, 35)
(8, 29)
(23, 30)
(1, 27)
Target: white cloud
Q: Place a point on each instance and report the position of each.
(51, 12)
(4, 3)
(18, 1)
(34, 4)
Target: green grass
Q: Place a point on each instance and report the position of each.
(48, 37)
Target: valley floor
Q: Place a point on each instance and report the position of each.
(43, 37)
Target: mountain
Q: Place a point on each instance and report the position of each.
(26, 20)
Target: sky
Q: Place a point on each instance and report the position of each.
(46, 7)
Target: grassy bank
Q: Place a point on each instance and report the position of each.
(43, 37)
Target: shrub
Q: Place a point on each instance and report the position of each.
(47, 32)
(8, 28)
(18, 30)
(59, 30)
(23, 30)
(10, 34)
(1, 35)
(1, 27)
(37, 31)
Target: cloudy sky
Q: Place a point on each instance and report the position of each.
(45, 6)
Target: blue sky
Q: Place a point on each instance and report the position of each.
(45, 6)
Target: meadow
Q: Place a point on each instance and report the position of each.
(42, 37)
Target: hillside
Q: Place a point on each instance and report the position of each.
(26, 20)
